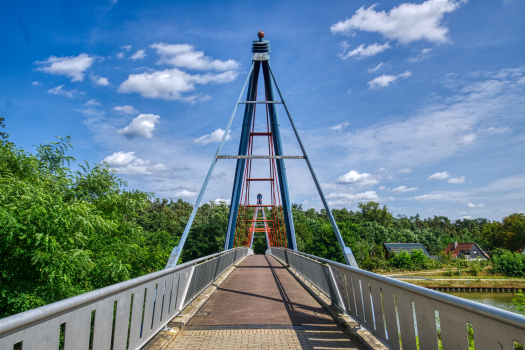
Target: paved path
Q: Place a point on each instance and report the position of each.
(261, 306)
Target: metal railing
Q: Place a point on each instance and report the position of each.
(123, 316)
(406, 316)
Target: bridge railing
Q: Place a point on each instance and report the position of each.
(123, 316)
(404, 315)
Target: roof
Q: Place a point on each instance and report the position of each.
(405, 247)
(463, 246)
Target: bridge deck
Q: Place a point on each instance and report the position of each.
(261, 306)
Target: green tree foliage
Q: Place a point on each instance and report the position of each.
(63, 233)
(512, 264)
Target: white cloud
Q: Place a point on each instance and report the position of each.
(498, 130)
(353, 177)
(385, 80)
(431, 197)
(93, 102)
(139, 55)
(185, 56)
(61, 92)
(403, 189)
(472, 205)
(404, 171)
(361, 51)
(126, 109)
(99, 80)
(120, 55)
(382, 188)
(342, 198)
(126, 47)
(141, 126)
(376, 68)
(170, 84)
(129, 164)
(468, 217)
(407, 22)
(339, 127)
(423, 55)
(215, 136)
(456, 180)
(35, 83)
(439, 176)
(70, 66)
(467, 139)
(222, 200)
(185, 194)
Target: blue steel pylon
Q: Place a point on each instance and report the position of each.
(260, 60)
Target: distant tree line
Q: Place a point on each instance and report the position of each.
(66, 232)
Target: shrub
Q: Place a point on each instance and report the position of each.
(511, 264)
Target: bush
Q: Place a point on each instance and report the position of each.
(511, 264)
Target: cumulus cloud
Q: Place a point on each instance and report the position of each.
(139, 55)
(126, 47)
(353, 177)
(35, 83)
(170, 84)
(439, 176)
(93, 102)
(342, 198)
(431, 197)
(185, 194)
(218, 201)
(406, 23)
(185, 56)
(129, 164)
(215, 136)
(472, 205)
(120, 55)
(467, 139)
(403, 189)
(456, 180)
(61, 92)
(127, 109)
(99, 80)
(339, 127)
(141, 126)
(361, 51)
(385, 80)
(70, 66)
(404, 171)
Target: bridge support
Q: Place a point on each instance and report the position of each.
(282, 214)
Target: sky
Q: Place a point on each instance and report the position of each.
(416, 105)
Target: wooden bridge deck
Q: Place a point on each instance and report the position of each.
(261, 306)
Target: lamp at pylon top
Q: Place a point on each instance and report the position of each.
(261, 48)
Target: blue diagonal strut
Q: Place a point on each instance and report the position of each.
(347, 252)
(175, 253)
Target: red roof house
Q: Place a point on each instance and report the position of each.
(467, 250)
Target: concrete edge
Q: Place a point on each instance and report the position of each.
(360, 335)
(172, 329)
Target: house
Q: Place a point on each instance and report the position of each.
(470, 251)
(403, 247)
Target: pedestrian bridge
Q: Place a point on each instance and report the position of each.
(262, 305)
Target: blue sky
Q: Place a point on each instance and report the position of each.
(419, 106)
